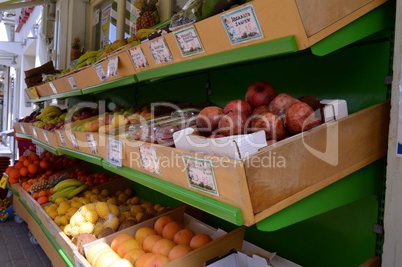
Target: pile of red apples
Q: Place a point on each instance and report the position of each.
(279, 115)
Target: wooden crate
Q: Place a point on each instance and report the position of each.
(288, 171)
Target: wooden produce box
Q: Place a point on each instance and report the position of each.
(281, 174)
(86, 77)
(46, 137)
(125, 65)
(63, 84)
(44, 90)
(18, 127)
(220, 244)
(309, 21)
(26, 128)
(31, 93)
(91, 143)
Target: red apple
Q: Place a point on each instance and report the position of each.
(281, 103)
(208, 119)
(238, 105)
(260, 93)
(271, 124)
(233, 123)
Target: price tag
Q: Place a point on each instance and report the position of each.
(22, 129)
(53, 88)
(46, 137)
(34, 92)
(115, 152)
(62, 139)
(138, 57)
(100, 71)
(74, 140)
(242, 25)
(188, 41)
(34, 132)
(92, 143)
(72, 82)
(200, 174)
(160, 51)
(3, 181)
(112, 66)
(149, 159)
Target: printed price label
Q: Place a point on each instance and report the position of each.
(138, 57)
(115, 152)
(62, 139)
(72, 82)
(34, 132)
(53, 88)
(34, 92)
(92, 144)
(149, 159)
(242, 25)
(188, 41)
(112, 66)
(200, 174)
(74, 140)
(46, 137)
(159, 50)
(100, 71)
(3, 181)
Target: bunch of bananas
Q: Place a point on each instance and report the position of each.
(68, 188)
(51, 115)
(50, 111)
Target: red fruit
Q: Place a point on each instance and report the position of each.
(260, 93)
(238, 105)
(233, 123)
(271, 124)
(260, 110)
(208, 119)
(300, 117)
(281, 103)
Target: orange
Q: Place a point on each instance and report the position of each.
(36, 162)
(24, 171)
(44, 164)
(18, 165)
(200, 240)
(32, 168)
(22, 158)
(32, 156)
(8, 170)
(42, 193)
(14, 174)
(26, 162)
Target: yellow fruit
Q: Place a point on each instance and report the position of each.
(63, 220)
(91, 216)
(136, 208)
(60, 200)
(62, 209)
(112, 200)
(128, 191)
(77, 220)
(57, 220)
(98, 230)
(52, 214)
(94, 199)
(86, 228)
(50, 209)
(84, 209)
(112, 223)
(94, 249)
(105, 192)
(114, 210)
(67, 230)
(70, 212)
(75, 230)
(102, 209)
(54, 206)
(122, 218)
(76, 204)
(95, 191)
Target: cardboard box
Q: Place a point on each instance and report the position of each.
(63, 85)
(26, 128)
(18, 128)
(125, 65)
(46, 137)
(280, 174)
(221, 242)
(45, 90)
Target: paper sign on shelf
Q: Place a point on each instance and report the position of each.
(100, 71)
(74, 140)
(188, 41)
(242, 25)
(34, 92)
(159, 50)
(62, 139)
(34, 132)
(138, 57)
(53, 88)
(72, 82)
(92, 143)
(3, 181)
(46, 137)
(115, 152)
(112, 66)
(149, 159)
(200, 174)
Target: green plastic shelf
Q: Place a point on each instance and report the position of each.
(45, 146)
(25, 136)
(110, 85)
(57, 96)
(219, 209)
(83, 156)
(272, 48)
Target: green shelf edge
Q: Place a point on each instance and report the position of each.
(214, 207)
(83, 156)
(110, 84)
(343, 192)
(56, 96)
(46, 232)
(46, 146)
(372, 22)
(26, 136)
(271, 48)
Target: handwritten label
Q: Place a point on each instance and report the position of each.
(34, 132)
(200, 174)
(34, 92)
(92, 143)
(149, 159)
(188, 41)
(242, 25)
(112, 66)
(62, 139)
(3, 181)
(138, 57)
(46, 137)
(72, 82)
(53, 88)
(74, 140)
(115, 152)
(100, 71)
(159, 50)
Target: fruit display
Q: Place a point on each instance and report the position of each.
(31, 117)
(166, 241)
(149, 16)
(50, 118)
(75, 49)
(278, 115)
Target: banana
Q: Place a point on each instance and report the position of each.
(90, 60)
(62, 193)
(66, 183)
(77, 190)
(87, 55)
(48, 110)
(144, 33)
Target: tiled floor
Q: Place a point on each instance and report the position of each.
(16, 249)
